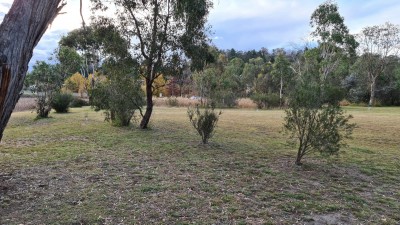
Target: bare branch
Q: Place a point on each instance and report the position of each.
(139, 34)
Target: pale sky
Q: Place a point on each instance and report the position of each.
(244, 24)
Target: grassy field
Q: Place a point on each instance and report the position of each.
(76, 169)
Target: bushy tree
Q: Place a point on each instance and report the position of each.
(314, 117)
(281, 71)
(77, 83)
(69, 61)
(120, 96)
(228, 87)
(265, 100)
(160, 28)
(378, 44)
(46, 82)
(253, 72)
(205, 82)
(88, 44)
(220, 82)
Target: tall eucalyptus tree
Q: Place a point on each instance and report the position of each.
(158, 29)
(378, 43)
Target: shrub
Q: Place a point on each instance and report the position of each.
(318, 129)
(78, 103)
(119, 97)
(76, 83)
(315, 120)
(263, 100)
(229, 99)
(259, 99)
(60, 102)
(46, 81)
(273, 100)
(204, 121)
(172, 102)
(43, 107)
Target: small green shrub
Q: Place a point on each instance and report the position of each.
(172, 102)
(78, 103)
(204, 121)
(263, 100)
(314, 119)
(273, 100)
(119, 97)
(60, 102)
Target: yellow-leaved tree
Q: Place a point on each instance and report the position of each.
(158, 87)
(76, 83)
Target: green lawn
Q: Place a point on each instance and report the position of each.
(76, 169)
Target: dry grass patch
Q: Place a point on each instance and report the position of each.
(25, 104)
(175, 102)
(241, 103)
(246, 103)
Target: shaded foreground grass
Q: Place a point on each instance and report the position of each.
(75, 169)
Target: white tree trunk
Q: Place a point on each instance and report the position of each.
(20, 32)
(372, 96)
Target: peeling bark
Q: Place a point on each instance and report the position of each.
(20, 32)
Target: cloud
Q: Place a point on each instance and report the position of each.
(6, 3)
(359, 14)
(243, 25)
(263, 9)
(254, 24)
(46, 46)
(71, 18)
(218, 38)
(4, 7)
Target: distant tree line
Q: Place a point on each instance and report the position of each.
(99, 52)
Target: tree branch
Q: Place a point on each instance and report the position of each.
(139, 34)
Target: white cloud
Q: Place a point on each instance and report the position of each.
(271, 23)
(5, 5)
(263, 9)
(3, 9)
(71, 18)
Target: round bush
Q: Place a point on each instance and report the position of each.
(61, 102)
(78, 103)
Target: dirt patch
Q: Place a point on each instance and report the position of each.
(331, 219)
(4, 186)
(30, 142)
